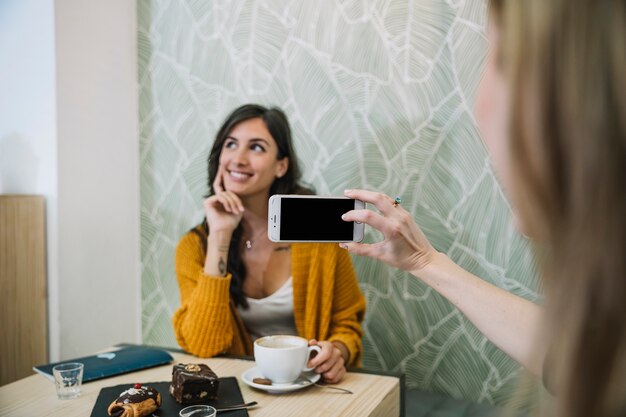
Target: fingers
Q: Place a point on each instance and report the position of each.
(329, 362)
(368, 217)
(218, 183)
(382, 202)
(230, 202)
(321, 357)
(335, 374)
(372, 250)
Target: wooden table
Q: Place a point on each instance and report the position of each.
(374, 395)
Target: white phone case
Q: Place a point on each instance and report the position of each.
(274, 219)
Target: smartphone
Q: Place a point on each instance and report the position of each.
(312, 218)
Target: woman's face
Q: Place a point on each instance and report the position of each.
(249, 159)
(493, 116)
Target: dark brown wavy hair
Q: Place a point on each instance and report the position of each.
(565, 61)
(290, 183)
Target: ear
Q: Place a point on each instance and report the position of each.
(282, 166)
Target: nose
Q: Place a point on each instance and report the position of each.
(241, 156)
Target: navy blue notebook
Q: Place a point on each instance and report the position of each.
(127, 359)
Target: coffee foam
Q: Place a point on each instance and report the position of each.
(280, 342)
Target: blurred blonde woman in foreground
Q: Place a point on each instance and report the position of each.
(552, 110)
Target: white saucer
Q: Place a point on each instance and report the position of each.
(303, 381)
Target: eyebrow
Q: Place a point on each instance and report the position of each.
(251, 140)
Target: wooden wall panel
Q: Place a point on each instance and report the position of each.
(23, 309)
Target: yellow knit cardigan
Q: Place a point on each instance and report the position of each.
(327, 301)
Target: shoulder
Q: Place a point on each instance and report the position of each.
(192, 241)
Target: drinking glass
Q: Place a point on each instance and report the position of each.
(198, 411)
(68, 378)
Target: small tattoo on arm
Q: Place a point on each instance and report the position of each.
(222, 248)
(222, 266)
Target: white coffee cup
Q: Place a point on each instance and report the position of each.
(282, 358)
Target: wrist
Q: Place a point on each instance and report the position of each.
(430, 265)
(345, 354)
(216, 261)
(220, 237)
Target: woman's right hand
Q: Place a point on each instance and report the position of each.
(404, 245)
(224, 209)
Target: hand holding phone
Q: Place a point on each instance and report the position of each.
(311, 218)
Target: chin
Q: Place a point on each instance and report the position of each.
(520, 226)
(236, 186)
(242, 190)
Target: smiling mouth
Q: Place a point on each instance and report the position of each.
(238, 175)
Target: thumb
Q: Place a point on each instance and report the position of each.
(361, 249)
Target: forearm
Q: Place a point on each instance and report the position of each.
(217, 253)
(203, 322)
(508, 321)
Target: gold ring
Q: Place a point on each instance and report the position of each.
(396, 202)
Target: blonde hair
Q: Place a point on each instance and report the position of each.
(565, 61)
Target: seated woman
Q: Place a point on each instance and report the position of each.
(235, 284)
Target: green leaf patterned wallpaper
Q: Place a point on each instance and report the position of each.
(380, 96)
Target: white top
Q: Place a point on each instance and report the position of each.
(270, 315)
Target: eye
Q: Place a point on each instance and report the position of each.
(257, 147)
(230, 144)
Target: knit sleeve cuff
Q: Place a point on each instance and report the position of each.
(212, 289)
(353, 345)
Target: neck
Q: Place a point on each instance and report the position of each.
(256, 209)
(253, 223)
(255, 226)
(255, 215)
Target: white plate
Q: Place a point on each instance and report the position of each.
(303, 381)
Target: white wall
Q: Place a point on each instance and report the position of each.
(98, 160)
(28, 140)
(27, 100)
(68, 130)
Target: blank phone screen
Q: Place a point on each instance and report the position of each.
(315, 219)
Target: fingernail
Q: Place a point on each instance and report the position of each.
(343, 216)
(347, 191)
(343, 246)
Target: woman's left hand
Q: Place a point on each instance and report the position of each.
(330, 362)
(404, 246)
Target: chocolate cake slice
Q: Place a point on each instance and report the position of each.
(193, 383)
